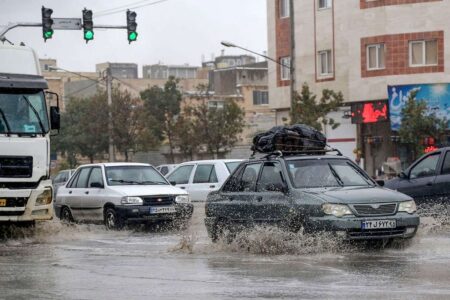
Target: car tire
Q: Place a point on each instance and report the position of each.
(112, 220)
(66, 215)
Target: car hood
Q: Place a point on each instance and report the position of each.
(353, 195)
(147, 190)
(392, 183)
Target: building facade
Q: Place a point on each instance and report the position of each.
(119, 70)
(374, 51)
(160, 71)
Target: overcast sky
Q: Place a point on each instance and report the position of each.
(171, 32)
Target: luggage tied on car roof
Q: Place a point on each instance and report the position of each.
(295, 138)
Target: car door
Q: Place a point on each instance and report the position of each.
(271, 204)
(204, 181)
(93, 200)
(420, 181)
(442, 182)
(238, 193)
(75, 191)
(181, 176)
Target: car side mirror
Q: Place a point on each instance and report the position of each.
(55, 118)
(174, 183)
(403, 175)
(96, 185)
(380, 182)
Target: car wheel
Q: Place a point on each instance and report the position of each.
(112, 220)
(66, 215)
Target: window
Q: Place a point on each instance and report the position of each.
(325, 62)
(375, 57)
(285, 68)
(215, 104)
(271, 179)
(426, 167)
(96, 176)
(423, 53)
(134, 175)
(181, 175)
(284, 9)
(73, 180)
(446, 166)
(231, 166)
(233, 182)
(260, 97)
(205, 174)
(324, 4)
(249, 177)
(82, 178)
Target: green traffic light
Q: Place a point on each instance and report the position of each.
(48, 34)
(89, 35)
(132, 36)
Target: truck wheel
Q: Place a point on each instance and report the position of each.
(112, 220)
(66, 215)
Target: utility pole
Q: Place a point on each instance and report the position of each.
(293, 79)
(110, 125)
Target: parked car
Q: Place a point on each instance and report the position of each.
(199, 178)
(120, 193)
(166, 169)
(314, 192)
(427, 179)
(60, 179)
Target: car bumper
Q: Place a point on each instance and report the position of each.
(141, 214)
(351, 227)
(30, 211)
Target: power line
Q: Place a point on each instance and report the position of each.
(121, 9)
(80, 90)
(75, 73)
(127, 84)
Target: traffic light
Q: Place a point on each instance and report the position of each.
(131, 26)
(47, 23)
(88, 25)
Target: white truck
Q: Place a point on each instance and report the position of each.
(25, 126)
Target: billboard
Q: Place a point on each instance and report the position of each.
(369, 112)
(436, 96)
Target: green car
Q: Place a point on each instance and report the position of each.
(314, 192)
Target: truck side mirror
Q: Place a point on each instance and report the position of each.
(55, 117)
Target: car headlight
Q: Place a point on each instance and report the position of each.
(337, 210)
(408, 206)
(182, 199)
(44, 198)
(132, 201)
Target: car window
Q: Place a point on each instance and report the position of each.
(232, 184)
(164, 170)
(134, 175)
(58, 178)
(249, 177)
(205, 174)
(446, 165)
(181, 175)
(426, 167)
(83, 178)
(73, 180)
(231, 166)
(96, 176)
(271, 178)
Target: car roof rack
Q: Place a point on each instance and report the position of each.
(306, 151)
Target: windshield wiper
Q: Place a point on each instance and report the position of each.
(153, 182)
(335, 174)
(125, 181)
(8, 132)
(36, 113)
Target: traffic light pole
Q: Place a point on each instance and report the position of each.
(110, 125)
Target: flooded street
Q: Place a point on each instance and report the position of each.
(88, 262)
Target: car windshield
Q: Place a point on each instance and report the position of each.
(326, 173)
(134, 175)
(232, 166)
(23, 113)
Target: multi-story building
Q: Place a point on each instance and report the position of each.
(228, 61)
(375, 52)
(160, 71)
(119, 70)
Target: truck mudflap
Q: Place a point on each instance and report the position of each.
(26, 205)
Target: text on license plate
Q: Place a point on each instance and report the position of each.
(378, 224)
(2, 202)
(162, 210)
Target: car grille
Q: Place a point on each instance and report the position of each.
(375, 209)
(155, 200)
(16, 166)
(376, 232)
(15, 202)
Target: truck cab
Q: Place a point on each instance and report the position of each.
(25, 127)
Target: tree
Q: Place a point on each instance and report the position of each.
(417, 125)
(305, 110)
(187, 139)
(162, 107)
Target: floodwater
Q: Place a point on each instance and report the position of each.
(55, 261)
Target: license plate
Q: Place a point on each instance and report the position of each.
(2, 202)
(378, 224)
(162, 210)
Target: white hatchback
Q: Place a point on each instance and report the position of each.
(199, 178)
(120, 193)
